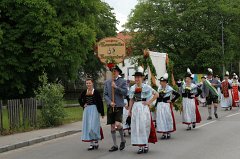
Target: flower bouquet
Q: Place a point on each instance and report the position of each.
(138, 89)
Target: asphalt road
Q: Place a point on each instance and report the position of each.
(216, 139)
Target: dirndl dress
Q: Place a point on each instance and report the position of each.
(140, 124)
(226, 102)
(142, 127)
(165, 118)
(91, 129)
(189, 111)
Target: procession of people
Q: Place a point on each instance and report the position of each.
(129, 107)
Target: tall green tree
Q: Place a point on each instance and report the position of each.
(56, 36)
(190, 31)
(106, 27)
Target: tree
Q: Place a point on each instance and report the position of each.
(56, 36)
(106, 27)
(189, 31)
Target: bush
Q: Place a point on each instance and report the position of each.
(51, 94)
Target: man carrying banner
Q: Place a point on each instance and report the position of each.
(210, 90)
(115, 106)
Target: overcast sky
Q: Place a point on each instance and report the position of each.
(122, 9)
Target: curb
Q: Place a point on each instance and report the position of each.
(37, 140)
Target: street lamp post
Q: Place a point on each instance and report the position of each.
(223, 49)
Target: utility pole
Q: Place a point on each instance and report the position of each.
(223, 49)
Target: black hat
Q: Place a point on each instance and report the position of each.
(210, 71)
(164, 77)
(139, 72)
(204, 77)
(117, 69)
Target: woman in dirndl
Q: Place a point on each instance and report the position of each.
(165, 116)
(190, 91)
(142, 127)
(91, 101)
(226, 93)
(235, 91)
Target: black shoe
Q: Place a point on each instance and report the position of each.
(122, 145)
(226, 109)
(168, 136)
(96, 145)
(140, 151)
(230, 108)
(124, 134)
(194, 125)
(216, 115)
(163, 137)
(209, 118)
(114, 148)
(146, 149)
(91, 148)
(129, 133)
(189, 128)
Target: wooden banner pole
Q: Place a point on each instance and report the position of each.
(113, 93)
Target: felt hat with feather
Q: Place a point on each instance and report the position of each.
(139, 72)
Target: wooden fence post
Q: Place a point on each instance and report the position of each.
(13, 108)
(1, 116)
(29, 112)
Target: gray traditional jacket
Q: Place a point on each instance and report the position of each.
(120, 92)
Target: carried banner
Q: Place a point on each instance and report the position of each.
(111, 50)
(211, 88)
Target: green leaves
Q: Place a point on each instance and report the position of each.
(51, 95)
(56, 36)
(189, 31)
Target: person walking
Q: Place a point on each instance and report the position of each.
(210, 87)
(91, 101)
(165, 116)
(142, 129)
(190, 91)
(115, 91)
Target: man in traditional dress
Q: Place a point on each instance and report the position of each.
(211, 94)
(117, 88)
(201, 97)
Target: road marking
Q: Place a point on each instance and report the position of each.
(206, 124)
(232, 115)
(216, 120)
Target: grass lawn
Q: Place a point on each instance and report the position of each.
(73, 114)
(71, 102)
(5, 119)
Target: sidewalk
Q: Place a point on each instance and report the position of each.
(15, 141)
